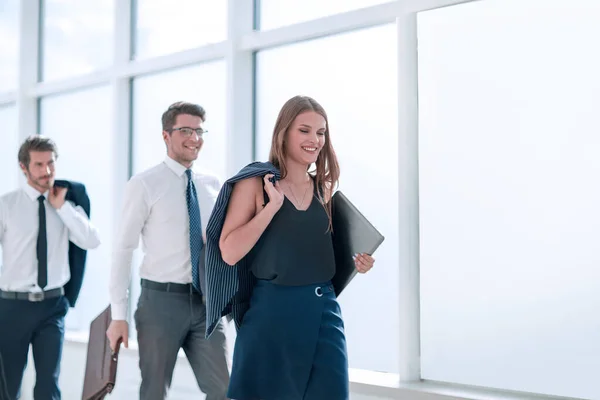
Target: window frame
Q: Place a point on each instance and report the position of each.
(238, 52)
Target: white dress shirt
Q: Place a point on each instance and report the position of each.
(19, 228)
(155, 207)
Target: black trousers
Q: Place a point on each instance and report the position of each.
(41, 325)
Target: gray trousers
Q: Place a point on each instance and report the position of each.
(166, 322)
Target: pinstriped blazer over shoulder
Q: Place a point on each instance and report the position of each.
(228, 288)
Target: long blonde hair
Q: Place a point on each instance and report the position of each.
(327, 172)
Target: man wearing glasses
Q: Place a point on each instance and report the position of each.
(169, 206)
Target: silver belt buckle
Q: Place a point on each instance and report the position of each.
(35, 296)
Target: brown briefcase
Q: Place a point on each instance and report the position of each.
(101, 364)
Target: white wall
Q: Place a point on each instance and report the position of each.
(508, 196)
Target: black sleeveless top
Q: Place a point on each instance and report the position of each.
(296, 248)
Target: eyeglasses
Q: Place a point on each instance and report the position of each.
(187, 132)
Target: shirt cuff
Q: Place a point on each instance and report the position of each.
(118, 312)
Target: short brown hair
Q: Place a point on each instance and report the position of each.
(35, 143)
(179, 108)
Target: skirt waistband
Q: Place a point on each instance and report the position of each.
(318, 288)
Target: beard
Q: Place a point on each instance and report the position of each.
(45, 182)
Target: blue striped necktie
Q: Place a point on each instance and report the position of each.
(195, 229)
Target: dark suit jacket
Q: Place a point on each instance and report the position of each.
(228, 289)
(77, 256)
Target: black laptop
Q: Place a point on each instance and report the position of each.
(352, 234)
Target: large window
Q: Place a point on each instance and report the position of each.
(77, 37)
(362, 112)
(9, 44)
(168, 26)
(509, 218)
(278, 13)
(81, 125)
(466, 135)
(9, 164)
(152, 94)
(8, 153)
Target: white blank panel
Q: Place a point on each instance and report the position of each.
(509, 168)
(276, 13)
(9, 45)
(9, 164)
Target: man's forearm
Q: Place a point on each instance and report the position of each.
(81, 230)
(120, 278)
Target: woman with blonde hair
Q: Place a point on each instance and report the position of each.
(270, 262)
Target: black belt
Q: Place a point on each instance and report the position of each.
(33, 296)
(169, 286)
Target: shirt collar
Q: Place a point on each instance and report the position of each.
(175, 166)
(33, 193)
